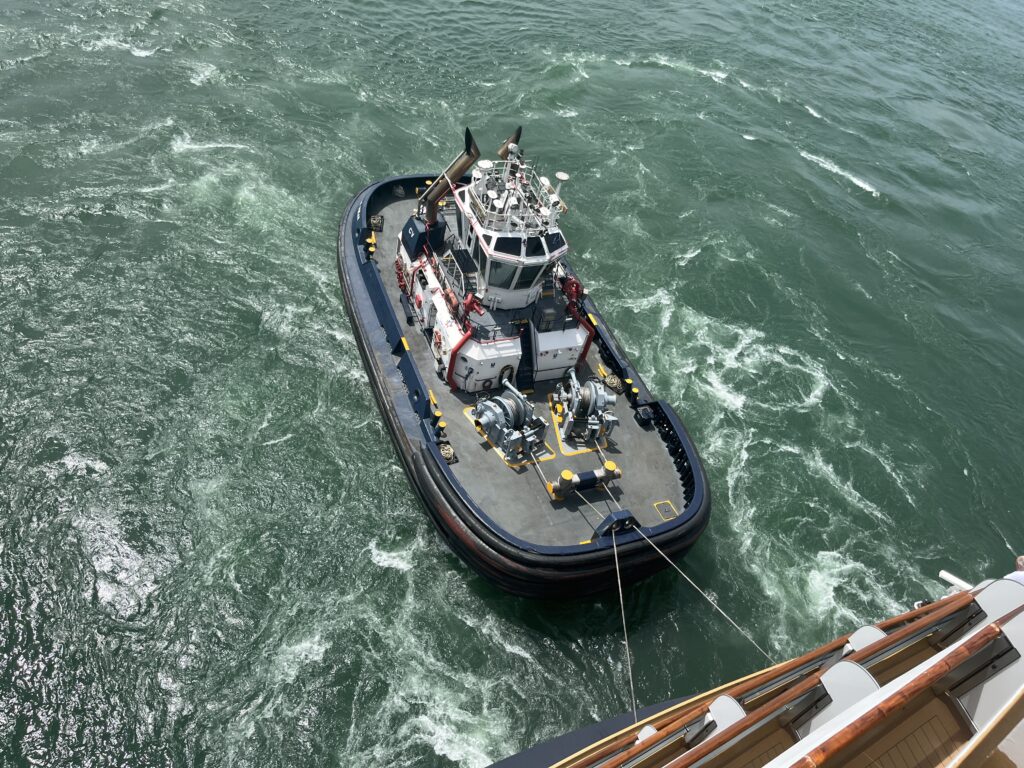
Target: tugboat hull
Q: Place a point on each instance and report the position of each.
(514, 564)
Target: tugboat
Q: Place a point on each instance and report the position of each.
(533, 442)
(941, 685)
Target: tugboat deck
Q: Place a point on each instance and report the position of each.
(514, 495)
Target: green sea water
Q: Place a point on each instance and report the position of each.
(803, 220)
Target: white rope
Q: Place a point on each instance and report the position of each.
(625, 634)
(703, 593)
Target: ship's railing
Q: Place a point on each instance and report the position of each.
(453, 271)
(511, 180)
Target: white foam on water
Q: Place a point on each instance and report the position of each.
(455, 744)
(831, 167)
(158, 188)
(278, 440)
(748, 137)
(184, 143)
(124, 577)
(566, 112)
(685, 258)
(281, 320)
(107, 43)
(715, 74)
(780, 209)
(822, 469)
(399, 561)
(82, 465)
(888, 466)
(682, 65)
(828, 572)
(813, 112)
(203, 72)
(292, 658)
(488, 626)
(723, 393)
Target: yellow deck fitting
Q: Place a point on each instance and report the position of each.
(601, 371)
(593, 320)
(428, 182)
(666, 509)
(405, 342)
(610, 465)
(433, 399)
(587, 541)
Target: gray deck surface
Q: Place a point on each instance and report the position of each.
(515, 497)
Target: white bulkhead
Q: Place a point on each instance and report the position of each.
(481, 365)
(555, 352)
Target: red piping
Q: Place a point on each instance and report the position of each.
(573, 290)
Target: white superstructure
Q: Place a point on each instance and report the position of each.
(490, 288)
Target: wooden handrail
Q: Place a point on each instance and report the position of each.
(838, 742)
(899, 699)
(773, 707)
(924, 610)
(668, 722)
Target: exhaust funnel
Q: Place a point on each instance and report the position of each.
(455, 171)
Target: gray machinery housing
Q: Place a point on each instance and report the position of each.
(509, 422)
(587, 408)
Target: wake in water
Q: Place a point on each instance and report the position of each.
(831, 167)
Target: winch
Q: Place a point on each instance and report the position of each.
(586, 408)
(509, 422)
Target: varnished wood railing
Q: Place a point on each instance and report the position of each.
(671, 720)
(840, 742)
(944, 609)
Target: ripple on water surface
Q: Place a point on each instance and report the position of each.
(209, 554)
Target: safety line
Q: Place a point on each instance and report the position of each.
(625, 634)
(705, 596)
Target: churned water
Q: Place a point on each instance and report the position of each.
(802, 219)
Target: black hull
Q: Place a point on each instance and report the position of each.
(568, 744)
(515, 566)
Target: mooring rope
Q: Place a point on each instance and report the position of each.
(702, 592)
(625, 633)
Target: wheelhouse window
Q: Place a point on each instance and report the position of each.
(527, 275)
(534, 247)
(554, 241)
(512, 246)
(502, 274)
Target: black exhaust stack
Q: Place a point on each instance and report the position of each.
(513, 139)
(455, 172)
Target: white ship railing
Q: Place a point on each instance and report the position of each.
(536, 210)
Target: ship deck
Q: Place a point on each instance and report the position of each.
(513, 494)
